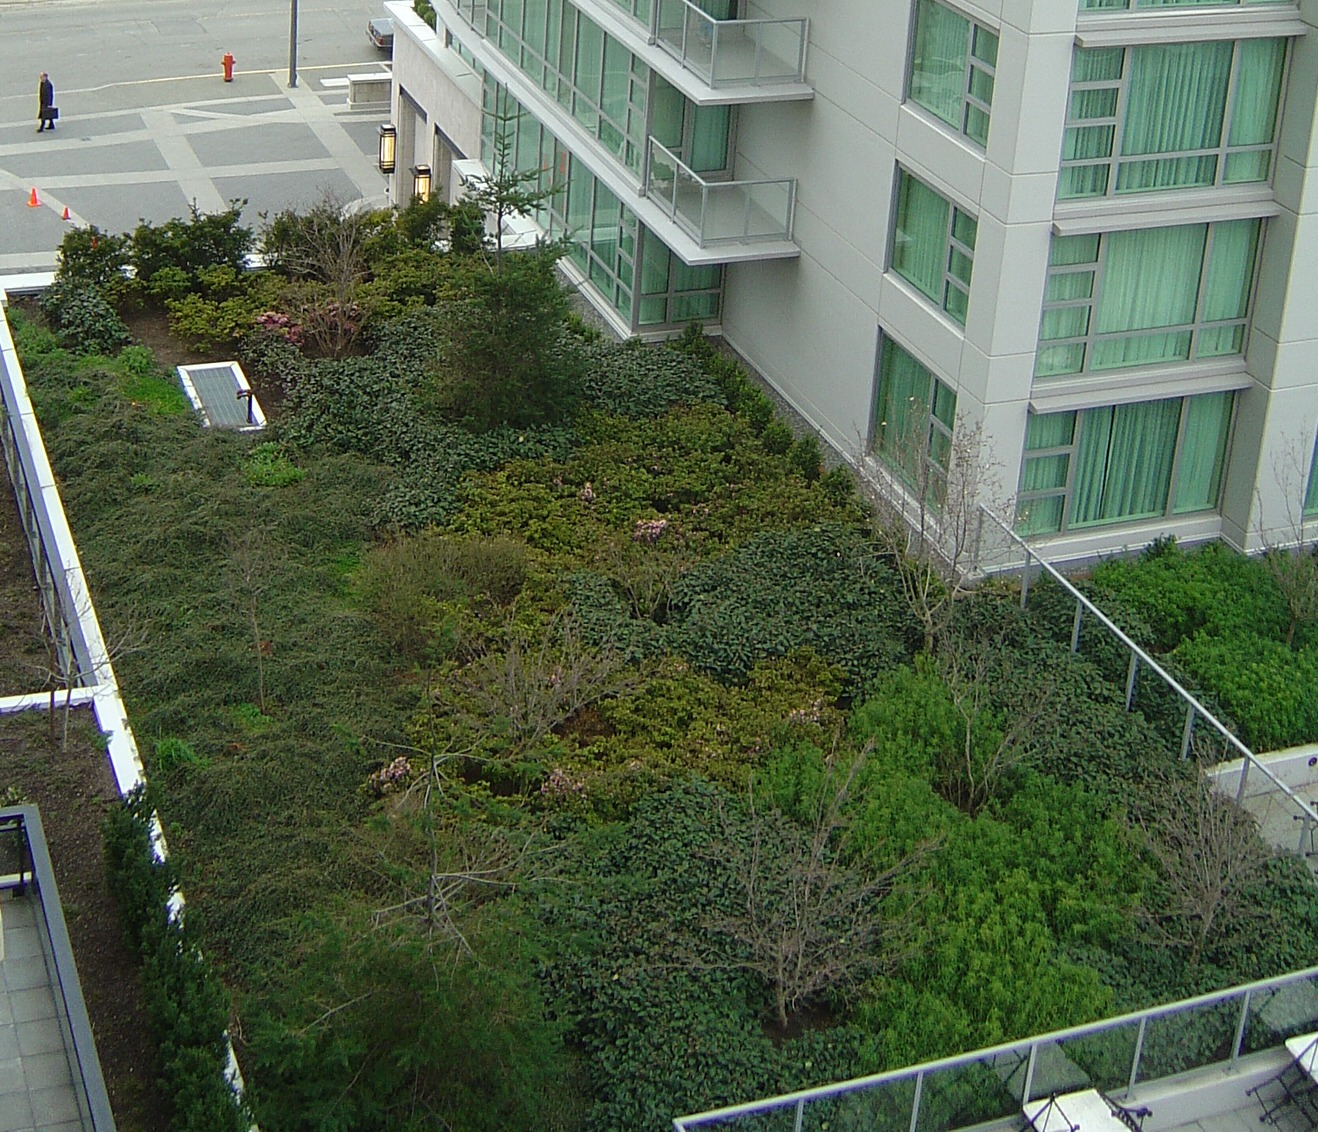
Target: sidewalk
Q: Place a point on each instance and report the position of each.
(146, 150)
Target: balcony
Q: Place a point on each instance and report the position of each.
(715, 213)
(726, 53)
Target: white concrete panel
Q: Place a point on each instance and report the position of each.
(1040, 15)
(951, 163)
(925, 331)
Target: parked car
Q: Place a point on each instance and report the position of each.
(381, 32)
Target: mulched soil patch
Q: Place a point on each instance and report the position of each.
(150, 328)
(25, 661)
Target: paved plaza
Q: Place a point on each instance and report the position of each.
(148, 149)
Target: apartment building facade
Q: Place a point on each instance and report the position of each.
(1086, 228)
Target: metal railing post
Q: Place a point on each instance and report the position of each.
(1075, 627)
(1029, 1074)
(1187, 733)
(800, 1115)
(1240, 1030)
(915, 1102)
(1244, 778)
(1025, 579)
(1135, 1057)
(1130, 679)
(713, 54)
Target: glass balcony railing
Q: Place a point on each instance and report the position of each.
(730, 52)
(718, 212)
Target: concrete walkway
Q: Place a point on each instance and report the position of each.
(146, 150)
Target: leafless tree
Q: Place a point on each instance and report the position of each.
(1290, 556)
(926, 502)
(253, 560)
(537, 683)
(1000, 717)
(816, 914)
(1207, 858)
(467, 863)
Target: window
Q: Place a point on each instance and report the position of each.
(1171, 116)
(914, 419)
(1096, 5)
(1311, 490)
(933, 245)
(1122, 463)
(1147, 297)
(953, 67)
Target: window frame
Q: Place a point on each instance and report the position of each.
(952, 245)
(936, 430)
(1195, 328)
(1071, 449)
(973, 65)
(1117, 122)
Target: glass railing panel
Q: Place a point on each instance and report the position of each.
(725, 52)
(1091, 1061)
(1280, 1013)
(961, 1096)
(1189, 1039)
(719, 212)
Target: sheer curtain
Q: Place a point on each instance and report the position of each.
(1254, 112)
(903, 408)
(1203, 446)
(920, 245)
(1124, 462)
(1227, 285)
(1150, 279)
(938, 77)
(1176, 103)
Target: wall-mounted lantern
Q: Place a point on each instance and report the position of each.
(421, 181)
(388, 148)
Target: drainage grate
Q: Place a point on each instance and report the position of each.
(221, 394)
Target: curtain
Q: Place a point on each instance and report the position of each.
(1150, 279)
(1176, 102)
(709, 139)
(919, 251)
(1254, 113)
(1203, 446)
(903, 408)
(1311, 492)
(1124, 462)
(1227, 286)
(938, 76)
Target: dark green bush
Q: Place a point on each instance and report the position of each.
(187, 1005)
(92, 258)
(192, 244)
(83, 320)
(635, 380)
(823, 588)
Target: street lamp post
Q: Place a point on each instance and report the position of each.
(292, 43)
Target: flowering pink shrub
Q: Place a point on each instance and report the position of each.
(390, 778)
(649, 530)
(276, 322)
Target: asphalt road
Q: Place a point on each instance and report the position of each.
(147, 125)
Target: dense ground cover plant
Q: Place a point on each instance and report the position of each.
(477, 723)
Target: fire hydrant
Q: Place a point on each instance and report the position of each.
(228, 66)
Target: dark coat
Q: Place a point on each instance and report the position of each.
(45, 97)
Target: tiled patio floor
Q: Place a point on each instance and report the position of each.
(36, 1083)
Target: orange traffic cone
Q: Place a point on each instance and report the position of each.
(66, 213)
(32, 201)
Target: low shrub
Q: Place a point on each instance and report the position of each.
(83, 320)
(187, 1005)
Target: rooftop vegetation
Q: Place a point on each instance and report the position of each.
(546, 739)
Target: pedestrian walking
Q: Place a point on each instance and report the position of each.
(46, 112)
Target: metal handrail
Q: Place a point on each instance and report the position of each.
(1026, 1048)
(1194, 709)
(713, 29)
